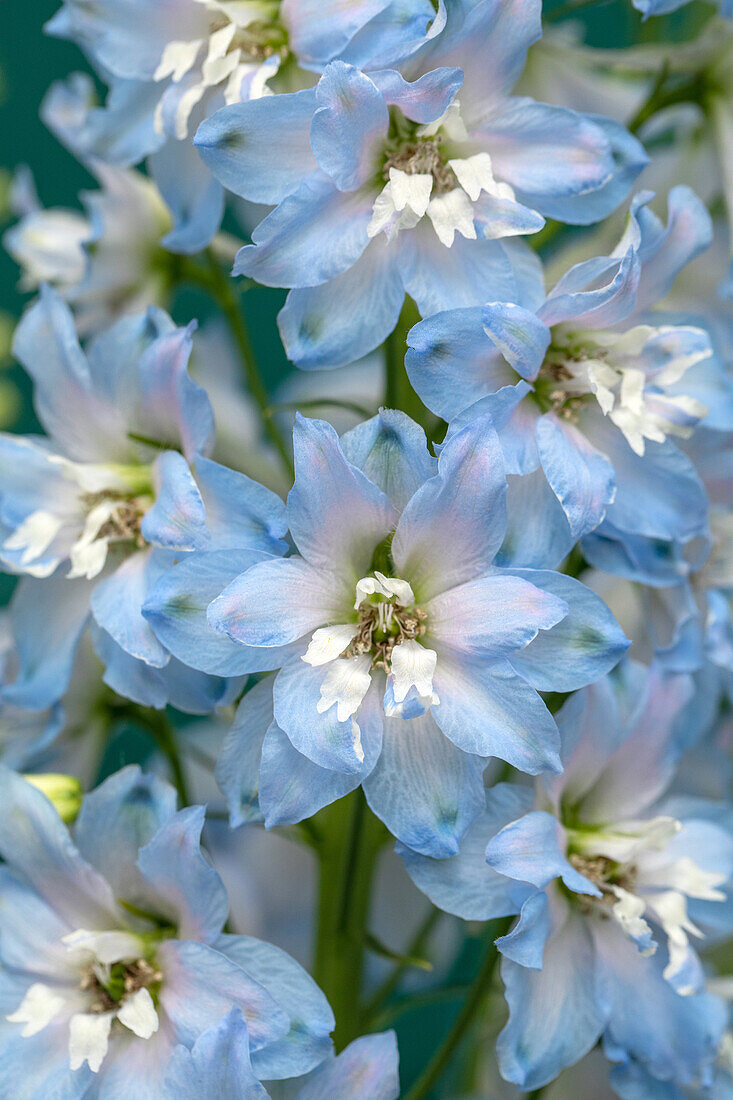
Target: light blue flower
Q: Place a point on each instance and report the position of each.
(588, 390)
(218, 1065)
(664, 7)
(405, 656)
(170, 65)
(119, 490)
(403, 180)
(612, 879)
(113, 951)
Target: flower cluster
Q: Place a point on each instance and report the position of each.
(472, 602)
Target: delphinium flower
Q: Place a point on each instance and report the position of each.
(171, 64)
(614, 882)
(406, 656)
(113, 951)
(403, 181)
(119, 489)
(218, 1065)
(105, 263)
(590, 390)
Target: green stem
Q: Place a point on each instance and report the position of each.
(536, 1094)
(219, 286)
(417, 946)
(474, 1001)
(399, 393)
(350, 841)
(663, 95)
(160, 728)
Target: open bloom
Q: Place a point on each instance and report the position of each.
(588, 392)
(119, 489)
(113, 951)
(614, 883)
(172, 63)
(401, 645)
(402, 181)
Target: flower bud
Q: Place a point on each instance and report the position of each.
(63, 790)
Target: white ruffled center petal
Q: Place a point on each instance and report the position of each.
(39, 1006)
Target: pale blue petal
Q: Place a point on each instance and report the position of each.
(545, 541)
(238, 765)
(260, 149)
(423, 100)
(35, 843)
(392, 450)
(347, 317)
(176, 609)
(117, 819)
(596, 293)
(349, 126)
(194, 198)
(581, 477)
(525, 944)
(452, 364)
(117, 607)
(554, 1015)
(674, 1036)
(275, 602)
(177, 520)
(292, 787)
(587, 643)
(487, 709)
(239, 511)
(321, 29)
(368, 1066)
(47, 617)
(465, 885)
(218, 1064)
(454, 525)
(520, 336)
(337, 516)
(201, 987)
(329, 743)
(181, 880)
(492, 616)
(315, 233)
(532, 850)
(425, 790)
(664, 251)
(311, 1020)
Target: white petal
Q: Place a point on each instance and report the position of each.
(396, 588)
(34, 535)
(139, 1015)
(345, 684)
(37, 1009)
(450, 214)
(328, 643)
(625, 840)
(628, 911)
(88, 554)
(177, 59)
(413, 666)
(475, 175)
(389, 587)
(106, 947)
(685, 876)
(411, 190)
(89, 1039)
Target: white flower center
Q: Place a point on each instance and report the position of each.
(385, 636)
(105, 505)
(424, 178)
(606, 365)
(245, 42)
(115, 978)
(641, 880)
